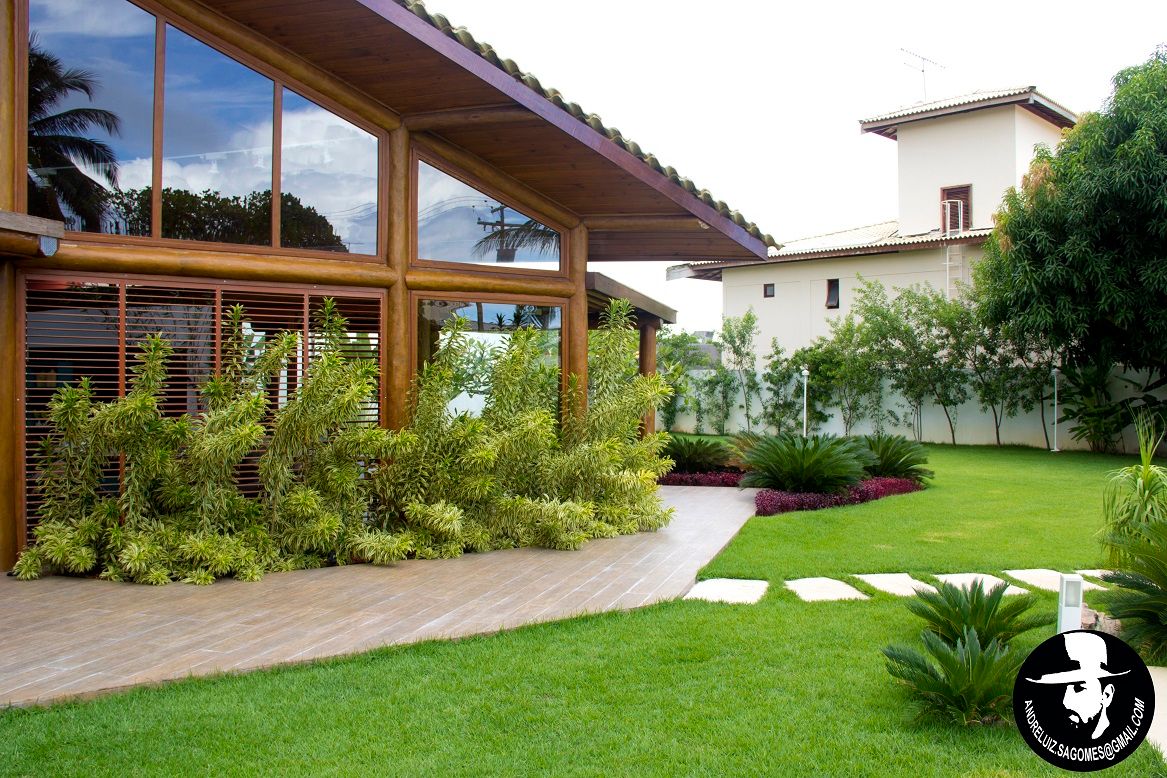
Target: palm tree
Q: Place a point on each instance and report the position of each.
(527, 235)
(57, 142)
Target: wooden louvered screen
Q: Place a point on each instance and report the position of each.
(75, 328)
(957, 216)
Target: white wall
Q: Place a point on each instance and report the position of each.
(797, 313)
(1032, 130)
(977, 148)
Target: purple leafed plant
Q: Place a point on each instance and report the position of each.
(771, 501)
(723, 478)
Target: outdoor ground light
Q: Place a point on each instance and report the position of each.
(1070, 602)
(1055, 373)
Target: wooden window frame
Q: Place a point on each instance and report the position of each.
(165, 16)
(420, 152)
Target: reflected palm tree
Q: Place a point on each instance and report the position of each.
(528, 235)
(57, 144)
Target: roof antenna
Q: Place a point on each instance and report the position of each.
(924, 63)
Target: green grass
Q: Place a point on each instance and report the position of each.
(682, 688)
(987, 509)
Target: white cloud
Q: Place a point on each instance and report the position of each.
(93, 18)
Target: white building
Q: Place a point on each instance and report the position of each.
(956, 159)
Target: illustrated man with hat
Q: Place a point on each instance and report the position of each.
(1086, 699)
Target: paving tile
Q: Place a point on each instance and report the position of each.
(732, 590)
(69, 636)
(899, 584)
(1050, 580)
(1157, 733)
(965, 580)
(815, 589)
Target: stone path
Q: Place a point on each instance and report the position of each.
(903, 585)
(63, 637)
(732, 590)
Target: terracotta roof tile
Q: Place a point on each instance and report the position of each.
(487, 52)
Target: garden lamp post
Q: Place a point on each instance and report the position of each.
(805, 378)
(1055, 373)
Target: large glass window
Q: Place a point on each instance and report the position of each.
(458, 223)
(488, 326)
(90, 112)
(216, 145)
(329, 171)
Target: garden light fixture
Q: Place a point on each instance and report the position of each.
(1055, 373)
(1070, 603)
(805, 378)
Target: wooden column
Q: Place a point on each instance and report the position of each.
(648, 328)
(10, 139)
(576, 358)
(395, 328)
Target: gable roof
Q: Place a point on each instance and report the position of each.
(1026, 97)
(880, 238)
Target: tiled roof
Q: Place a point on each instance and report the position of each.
(1025, 96)
(880, 238)
(487, 52)
(951, 102)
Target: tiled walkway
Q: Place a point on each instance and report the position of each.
(61, 637)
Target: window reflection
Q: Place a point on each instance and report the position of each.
(328, 170)
(457, 223)
(90, 110)
(488, 325)
(217, 146)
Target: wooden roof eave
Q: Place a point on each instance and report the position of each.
(519, 93)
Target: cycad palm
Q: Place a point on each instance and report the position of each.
(57, 144)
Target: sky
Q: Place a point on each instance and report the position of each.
(760, 102)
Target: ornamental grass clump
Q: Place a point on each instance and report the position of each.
(131, 494)
(967, 670)
(1138, 598)
(1135, 498)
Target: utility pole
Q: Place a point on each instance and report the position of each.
(503, 254)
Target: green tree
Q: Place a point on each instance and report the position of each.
(856, 379)
(719, 390)
(782, 409)
(678, 353)
(57, 145)
(736, 341)
(1076, 256)
(819, 359)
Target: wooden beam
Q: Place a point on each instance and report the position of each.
(633, 223)
(461, 117)
(34, 225)
(476, 167)
(152, 260)
(254, 44)
(10, 134)
(576, 358)
(23, 244)
(11, 418)
(399, 371)
(433, 280)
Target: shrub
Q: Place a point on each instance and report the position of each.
(696, 455)
(726, 478)
(1135, 496)
(769, 502)
(897, 457)
(970, 683)
(952, 609)
(822, 464)
(1139, 596)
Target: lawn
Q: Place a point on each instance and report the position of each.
(780, 688)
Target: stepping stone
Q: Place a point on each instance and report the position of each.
(1050, 580)
(899, 584)
(815, 589)
(734, 590)
(1093, 573)
(965, 580)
